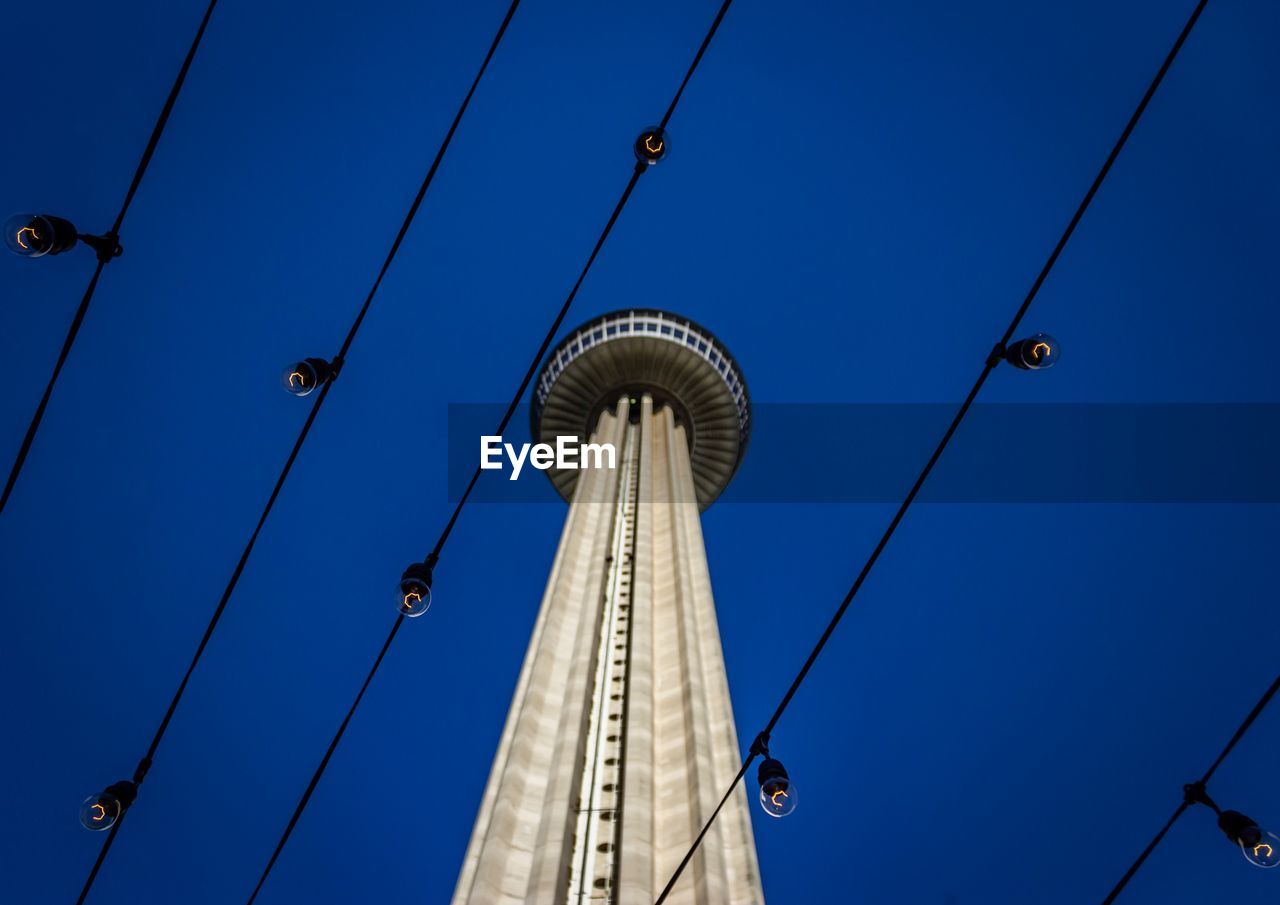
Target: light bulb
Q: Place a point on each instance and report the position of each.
(1033, 353)
(33, 236)
(100, 811)
(1260, 848)
(1040, 351)
(777, 793)
(778, 797)
(651, 146)
(302, 377)
(414, 595)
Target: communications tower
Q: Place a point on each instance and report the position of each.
(620, 736)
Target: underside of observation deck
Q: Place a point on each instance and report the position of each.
(629, 353)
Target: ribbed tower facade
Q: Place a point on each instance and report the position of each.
(620, 738)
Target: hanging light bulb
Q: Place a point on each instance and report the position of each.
(302, 377)
(1033, 353)
(414, 596)
(777, 792)
(1262, 850)
(37, 235)
(1259, 847)
(651, 146)
(101, 811)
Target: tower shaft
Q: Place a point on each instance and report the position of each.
(620, 734)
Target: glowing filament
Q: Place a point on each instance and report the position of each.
(102, 812)
(414, 595)
(302, 378)
(774, 797)
(1257, 850)
(27, 229)
(1035, 350)
(650, 148)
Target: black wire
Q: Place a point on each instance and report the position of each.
(992, 360)
(697, 58)
(324, 761)
(103, 258)
(164, 118)
(1204, 780)
(102, 856)
(1151, 846)
(564, 310)
(145, 764)
(1244, 727)
(426, 183)
(537, 358)
(688, 856)
(48, 390)
(434, 555)
(444, 535)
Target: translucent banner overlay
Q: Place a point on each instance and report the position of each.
(847, 453)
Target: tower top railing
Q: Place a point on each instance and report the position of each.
(654, 324)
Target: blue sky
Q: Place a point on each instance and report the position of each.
(1010, 710)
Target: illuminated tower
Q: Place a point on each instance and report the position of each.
(620, 738)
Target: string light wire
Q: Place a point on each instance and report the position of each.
(145, 764)
(639, 170)
(29, 438)
(989, 365)
(1187, 802)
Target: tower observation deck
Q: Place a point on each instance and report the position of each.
(620, 734)
(637, 351)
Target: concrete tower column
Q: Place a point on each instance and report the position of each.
(620, 738)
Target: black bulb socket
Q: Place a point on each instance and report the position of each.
(125, 791)
(771, 769)
(1013, 354)
(419, 570)
(324, 370)
(64, 233)
(1239, 828)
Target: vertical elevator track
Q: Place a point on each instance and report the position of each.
(594, 860)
